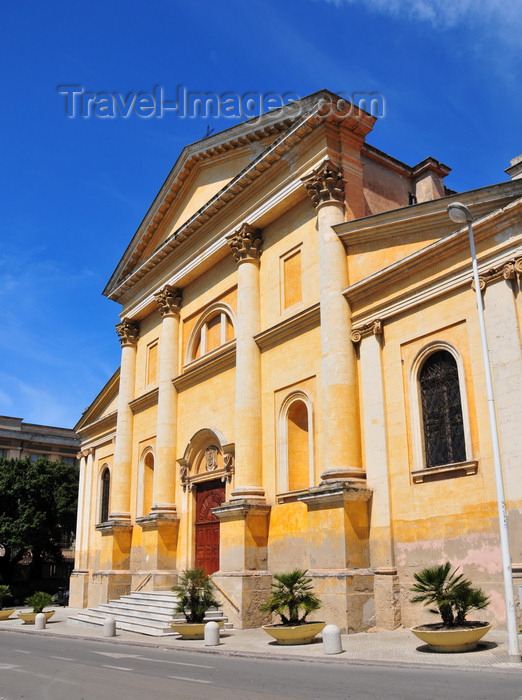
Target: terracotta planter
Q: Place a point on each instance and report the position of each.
(4, 614)
(449, 641)
(29, 618)
(192, 630)
(295, 634)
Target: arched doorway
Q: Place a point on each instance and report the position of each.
(209, 494)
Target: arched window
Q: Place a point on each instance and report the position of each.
(105, 495)
(214, 329)
(296, 447)
(442, 419)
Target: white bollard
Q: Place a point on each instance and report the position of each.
(40, 621)
(109, 627)
(332, 640)
(211, 634)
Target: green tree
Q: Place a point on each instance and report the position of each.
(38, 504)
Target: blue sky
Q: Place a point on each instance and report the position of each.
(73, 191)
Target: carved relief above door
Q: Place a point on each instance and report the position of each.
(208, 451)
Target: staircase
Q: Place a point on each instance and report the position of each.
(141, 612)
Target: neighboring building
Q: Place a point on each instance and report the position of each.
(19, 440)
(301, 381)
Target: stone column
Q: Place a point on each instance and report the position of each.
(79, 581)
(342, 444)
(164, 496)
(246, 248)
(128, 333)
(79, 554)
(242, 572)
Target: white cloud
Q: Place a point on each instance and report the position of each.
(445, 14)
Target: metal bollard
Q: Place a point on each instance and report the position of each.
(211, 634)
(109, 627)
(332, 640)
(40, 621)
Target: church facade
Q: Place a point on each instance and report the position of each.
(301, 380)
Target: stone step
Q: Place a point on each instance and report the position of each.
(141, 612)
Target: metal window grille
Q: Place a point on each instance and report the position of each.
(442, 410)
(106, 489)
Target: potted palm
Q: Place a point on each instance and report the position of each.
(195, 592)
(38, 601)
(4, 592)
(293, 599)
(452, 597)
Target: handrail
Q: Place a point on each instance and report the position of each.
(236, 607)
(143, 583)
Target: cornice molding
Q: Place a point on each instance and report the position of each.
(145, 401)
(421, 293)
(207, 366)
(105, 423)
(432, 286)
(295, 324)
(428, 216)
(352, 120)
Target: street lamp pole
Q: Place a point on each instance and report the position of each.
(460, 214)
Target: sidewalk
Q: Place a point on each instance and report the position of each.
(383, 648)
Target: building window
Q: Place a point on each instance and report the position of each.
(296, 445)
(105, 495)
(442, 419)
(214, 329)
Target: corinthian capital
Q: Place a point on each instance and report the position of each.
(128, 332)
(325, 184)
(169, 300)
(246, 243)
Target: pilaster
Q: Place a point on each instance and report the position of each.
(370, 338)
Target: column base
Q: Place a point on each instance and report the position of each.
(164, 509)
(248, 493)
(343, 474)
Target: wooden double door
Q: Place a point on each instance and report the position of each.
(209, 494)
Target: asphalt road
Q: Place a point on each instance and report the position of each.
(51, 668)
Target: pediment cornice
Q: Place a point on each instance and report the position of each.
(288, 132)
(391, 291)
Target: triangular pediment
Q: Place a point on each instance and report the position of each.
(201, 171)
(210, 173)
(102, 408)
